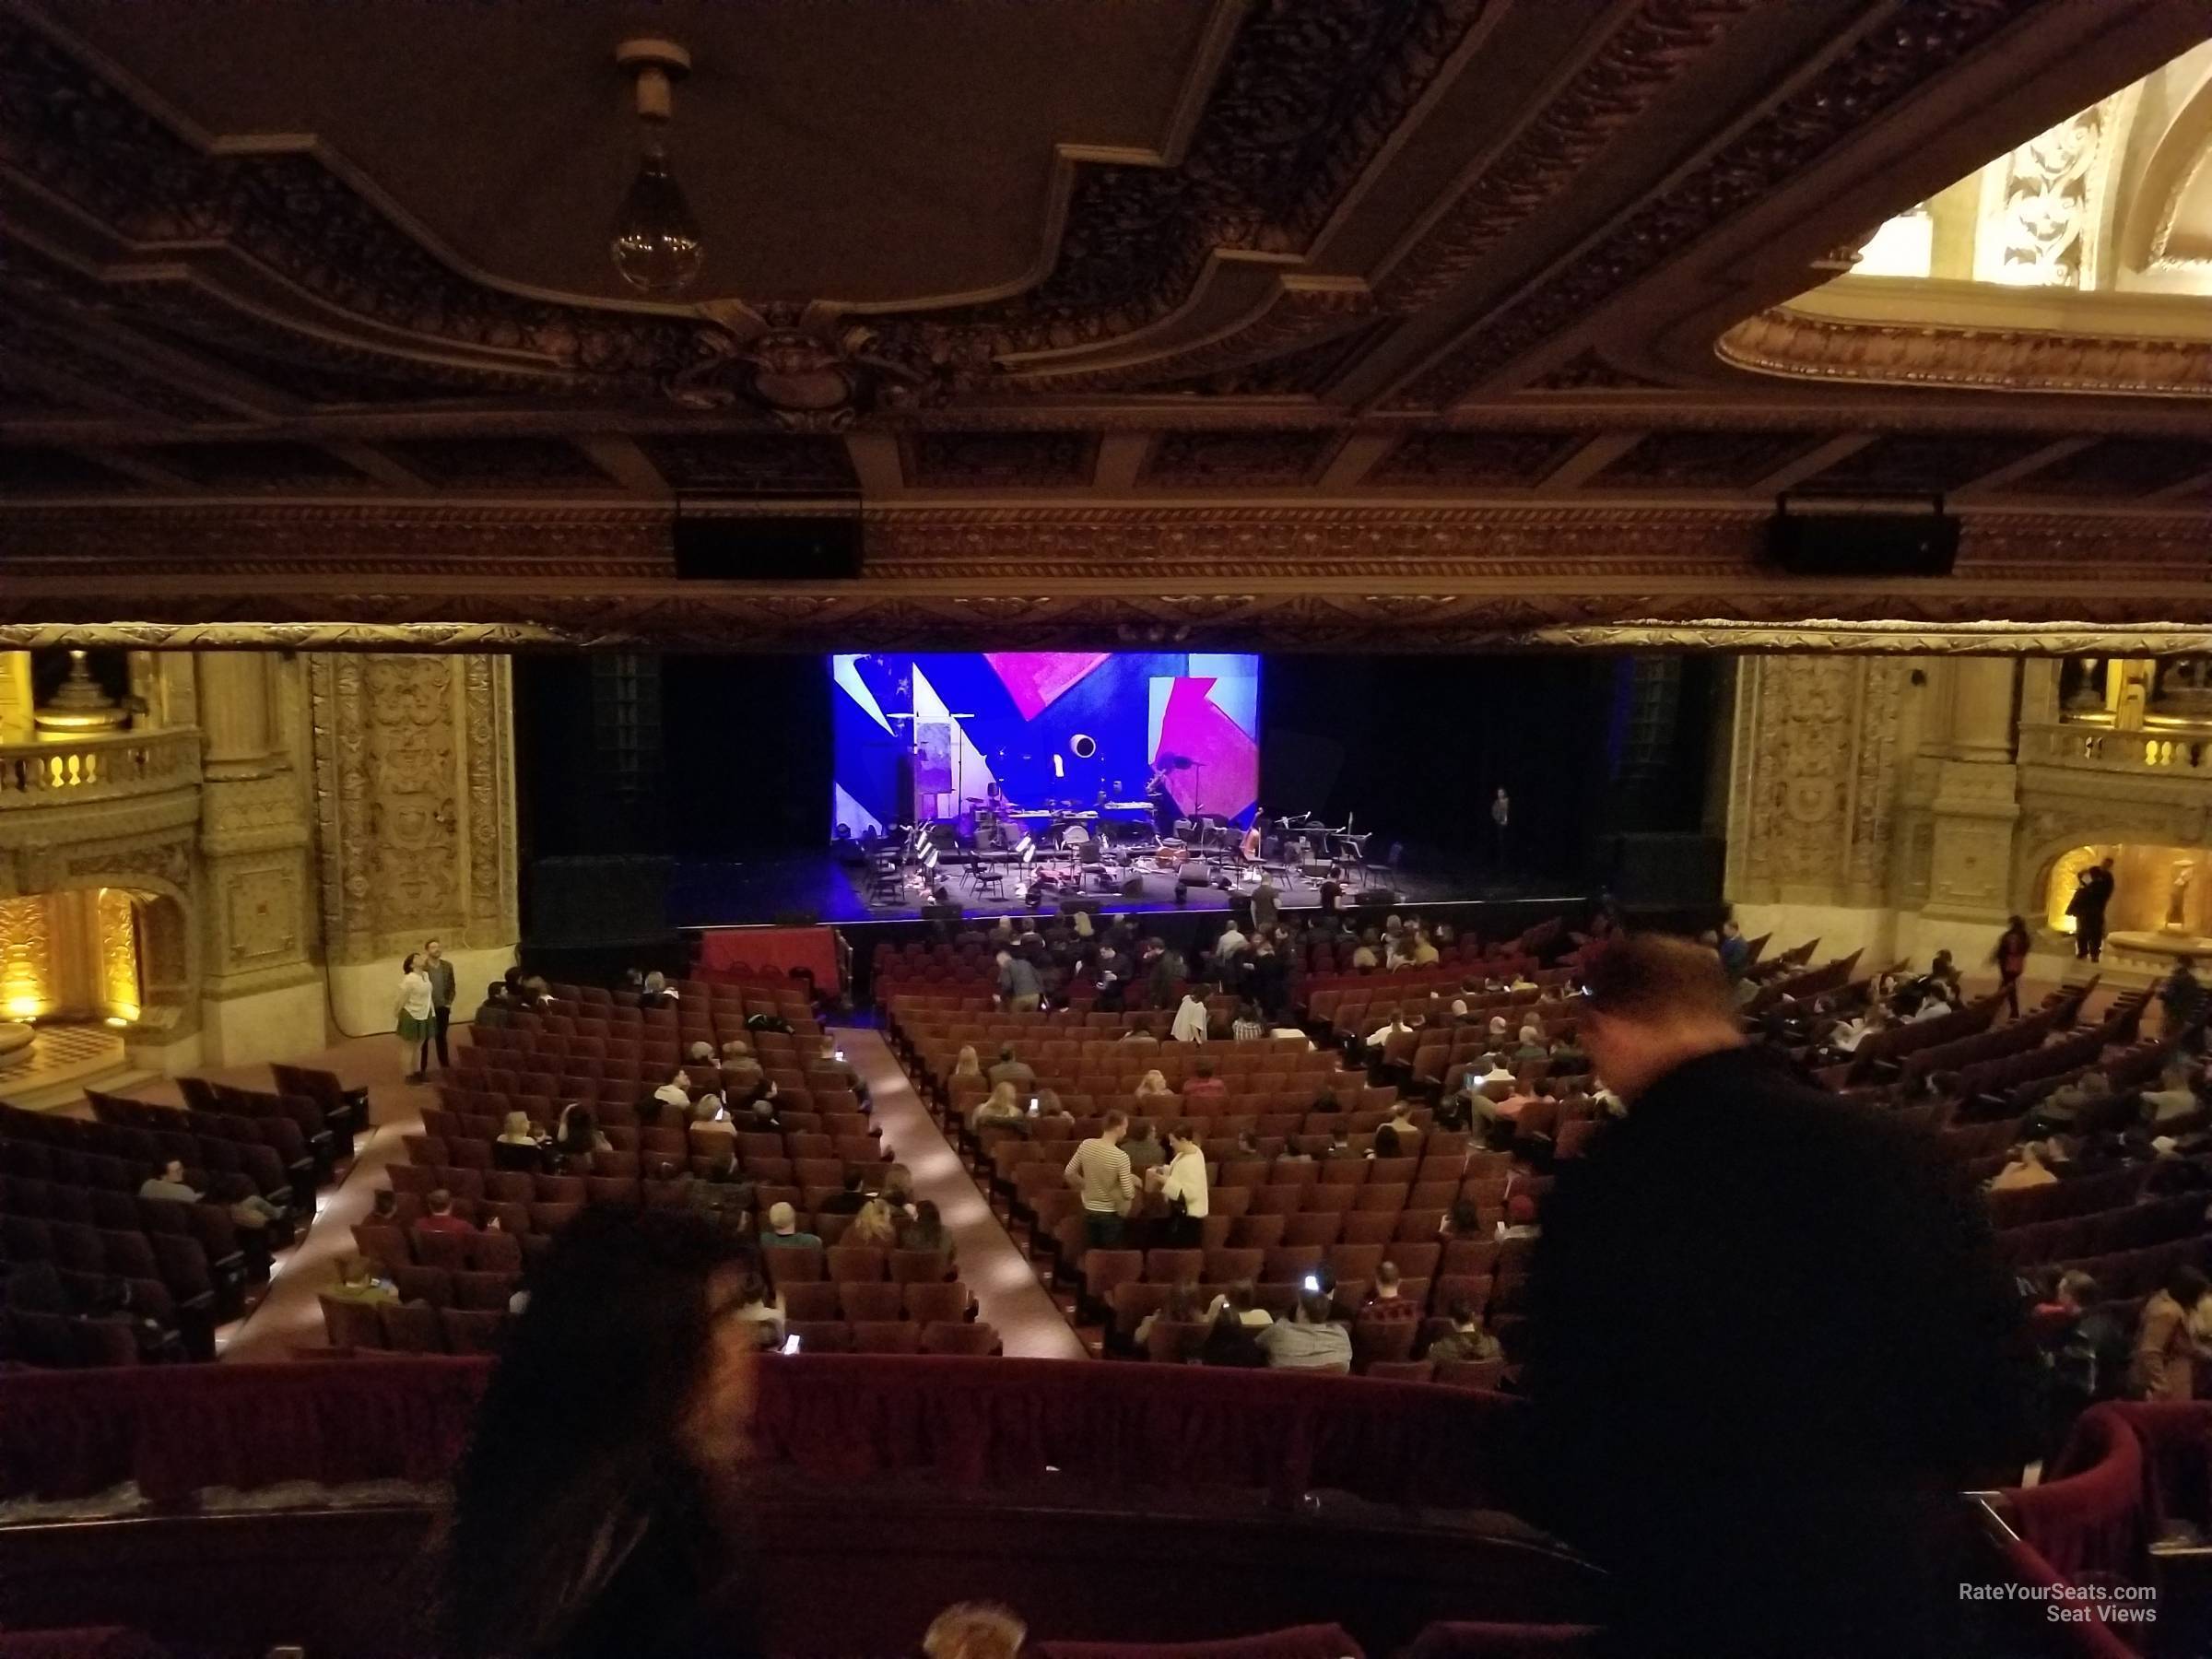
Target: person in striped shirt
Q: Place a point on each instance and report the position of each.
(1099, 1170)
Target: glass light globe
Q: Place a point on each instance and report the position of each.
(656, 244)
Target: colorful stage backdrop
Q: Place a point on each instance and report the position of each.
(1049, 726)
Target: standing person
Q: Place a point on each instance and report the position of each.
(2164, 1365)
(1019, 988)
(440, 974)
(2092, 896)
(1163, 803)
(2011, 958)
(415, 1014)
(1792, 1490)
(1501, 819)
(1099, 1170)
(1181, 1183)
(1266, 906)
(2182, 998)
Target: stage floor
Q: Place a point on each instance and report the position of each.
(790, 889)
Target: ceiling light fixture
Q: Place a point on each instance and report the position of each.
(656, 244)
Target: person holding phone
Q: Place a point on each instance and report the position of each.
(1314, 1340)
(1181, 1184)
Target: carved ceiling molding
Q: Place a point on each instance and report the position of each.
(1885, 66)
(489, 546)
(285, 270)
(1298, 317)
(1637, 60)
(1396, 623)
(1795, 345)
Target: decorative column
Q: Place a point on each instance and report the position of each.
(413, 760)
(1976, 803)
(16, 698)
(262, 998)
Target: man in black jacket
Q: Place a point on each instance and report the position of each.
(1769, 1344)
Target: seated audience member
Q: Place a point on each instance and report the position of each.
(676, 1092)
(520, 1146)
(611, 1548)
(252, 1212)
(1202, 1085)
(363, 1279)
(1401, 1124)
(1466, 1340)
(2063, 1107)
(1520, 1217)
(1190, 1018)
(709, 1125)
(576, 1136)
(1240, 1303)
(850, 1201)
(1010, 1069)
(2088, 1352)
(1453, 1113)
(1340, 1140)
(784, 1229)
(1152, 1085)
(438, 1215)
(383, 1207)
(1845, 1039)
(967, 1066)
(658, 993)
(2024, 1167)
(760, 1308)
(1143, 1148)
(1385, 1144)
(927, 1231)
(494, 1012)
(1000, 1111)
(1384, 1300)
(700, 1053)
(1181, 1307)
(1365, 958)
(1531, 1049)
(1381, 1036)
(2172, 1099)
(1934, 1004)
(874, 1226)
(1463, 1220)
(898, 1191)
(1051, 1120)
(723, 1192)
(1233, 1344)
(2164, 1363)
(1248, 1026)
(1312, 1341)
(975, 1630)
(1140, 1037)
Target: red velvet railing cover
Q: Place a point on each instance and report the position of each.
(175, 1429)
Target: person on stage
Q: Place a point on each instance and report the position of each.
(1163, 801)
(1501, 819)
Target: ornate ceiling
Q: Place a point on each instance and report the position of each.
(1268, 323)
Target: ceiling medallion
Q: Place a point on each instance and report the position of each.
(813, 370)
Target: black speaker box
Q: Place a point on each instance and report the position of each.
(1871, 542)
(720, 545)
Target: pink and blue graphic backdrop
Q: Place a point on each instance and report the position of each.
(1047, 727)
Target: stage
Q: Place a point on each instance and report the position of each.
(793, 888)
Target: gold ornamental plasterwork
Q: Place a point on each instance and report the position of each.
(1794, 345)
(413, 799)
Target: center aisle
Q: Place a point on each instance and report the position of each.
(997, 1273)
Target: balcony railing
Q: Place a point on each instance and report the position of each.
(97, 768)
(2100, 748)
